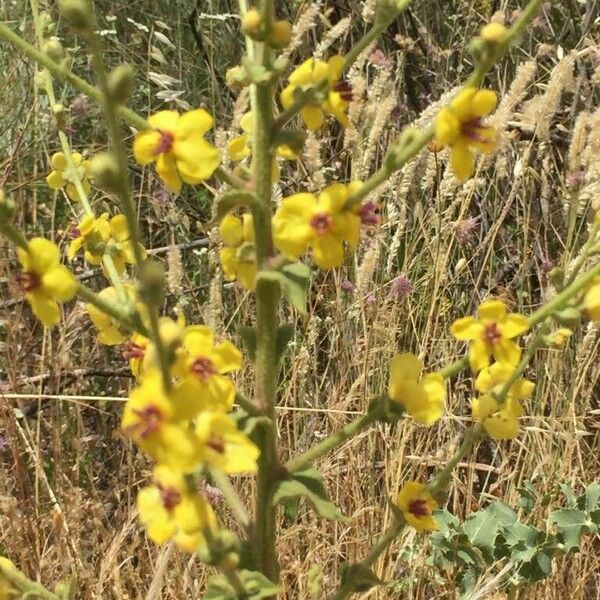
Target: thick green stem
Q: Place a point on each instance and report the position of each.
(23, 584)
(332, 441)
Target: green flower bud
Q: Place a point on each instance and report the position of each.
(105, 171)
(280, 35)
(120, 83)
(569, 316)
(79, 14)
(7, 208)
(252, 23)
(152, 283)
(60, 114)
(54, 49)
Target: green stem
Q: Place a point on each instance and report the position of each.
(223, 482)
(14, 235)
(332, 441)
(454, 368)
(24, 584)
(409, 143)
(587, 249)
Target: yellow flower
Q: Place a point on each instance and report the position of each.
(491, 334)
(171, 333)
(110, 331)
(323, 223)
(44, 281)
(170, 511)
(224, 446)
(417, 506)
(98, 236)
(493, 32)
(203, 367)
(157, 422)
(237, 257)
(559, 338)
(491, 380)
(134, 350)
(64, 176)
(461, 126)
(421, 396)
(501, 422)
(312, 73)
(591, 300)
(239, 147)
(176, 142)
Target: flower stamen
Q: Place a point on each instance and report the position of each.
(322, 223)
(203, 368)
(28, 281)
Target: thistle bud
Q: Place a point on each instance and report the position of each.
(120, 83)
(79, 14)
(281, 34)
(54, 49)
(251, 23)
(105, 171)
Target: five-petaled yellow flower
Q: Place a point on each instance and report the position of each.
(238, 256)
(491, 380)
(44, 281)
(203, 366)
(491, 334)
(417, 506)
(157, 422)
(224, 446)
(501, 421)
(310, 74)
(461, 126)
(176, 142)
(170, 511)
(422, 396)
(591, 300)
(323, 223)
(66, 176)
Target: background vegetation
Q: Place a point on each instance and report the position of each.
(68, 478)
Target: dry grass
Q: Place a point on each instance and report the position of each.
(67, 478)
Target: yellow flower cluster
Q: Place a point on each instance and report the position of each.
(99, 236)
(65, 176)
(184, 427)
(311, 74)
(493, 335)
(237, 256)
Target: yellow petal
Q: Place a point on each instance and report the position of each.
(238, 148)
(193, 124)
(145, 146)
(119, 229)
(246, 122)
(483, 103)
(507, 351)
(492, 311)
(312, 116)
(513, 325)
(59, 283)
(479, 355)
(43, 255)
(59, 161)
(55, 180)
(164, 120)
(166, 168)
(226, 357)
(327, 252)
(405, 366)
(44, 308)
(462, 160)
(196, 159)
(467, 328)
(447, 127)
(231, 231)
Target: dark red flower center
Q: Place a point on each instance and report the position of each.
(28, 281)
(165, 143)
(322, 223)
(74, 232)
(344, 89)
(491, 334)
(170, 497)
(472, 129)
(216, 443)
(133, 350)
(419, 508)
(203, 367)
(150, 419)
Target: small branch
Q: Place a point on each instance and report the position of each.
(223, 482)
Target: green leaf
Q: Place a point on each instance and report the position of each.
(232, 199)
(482, 530)
(592, 497)
(308, 483)
(315, 578)
(284, 335)
(528, 496)
(505, 514)
(569, 495)
(360, 577)
(256, 586)
(295, 280)
(573, 524)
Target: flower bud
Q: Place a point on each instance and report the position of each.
(493, 33)
(47, 24)
(281, 34)
(152, 284)
(120, 83)
(236, 78)
(569, 316)
(79, 14)
(40, 82)
(105, 171)
(7, 208)
(251, 23)
(60, 114)
(54, 49)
